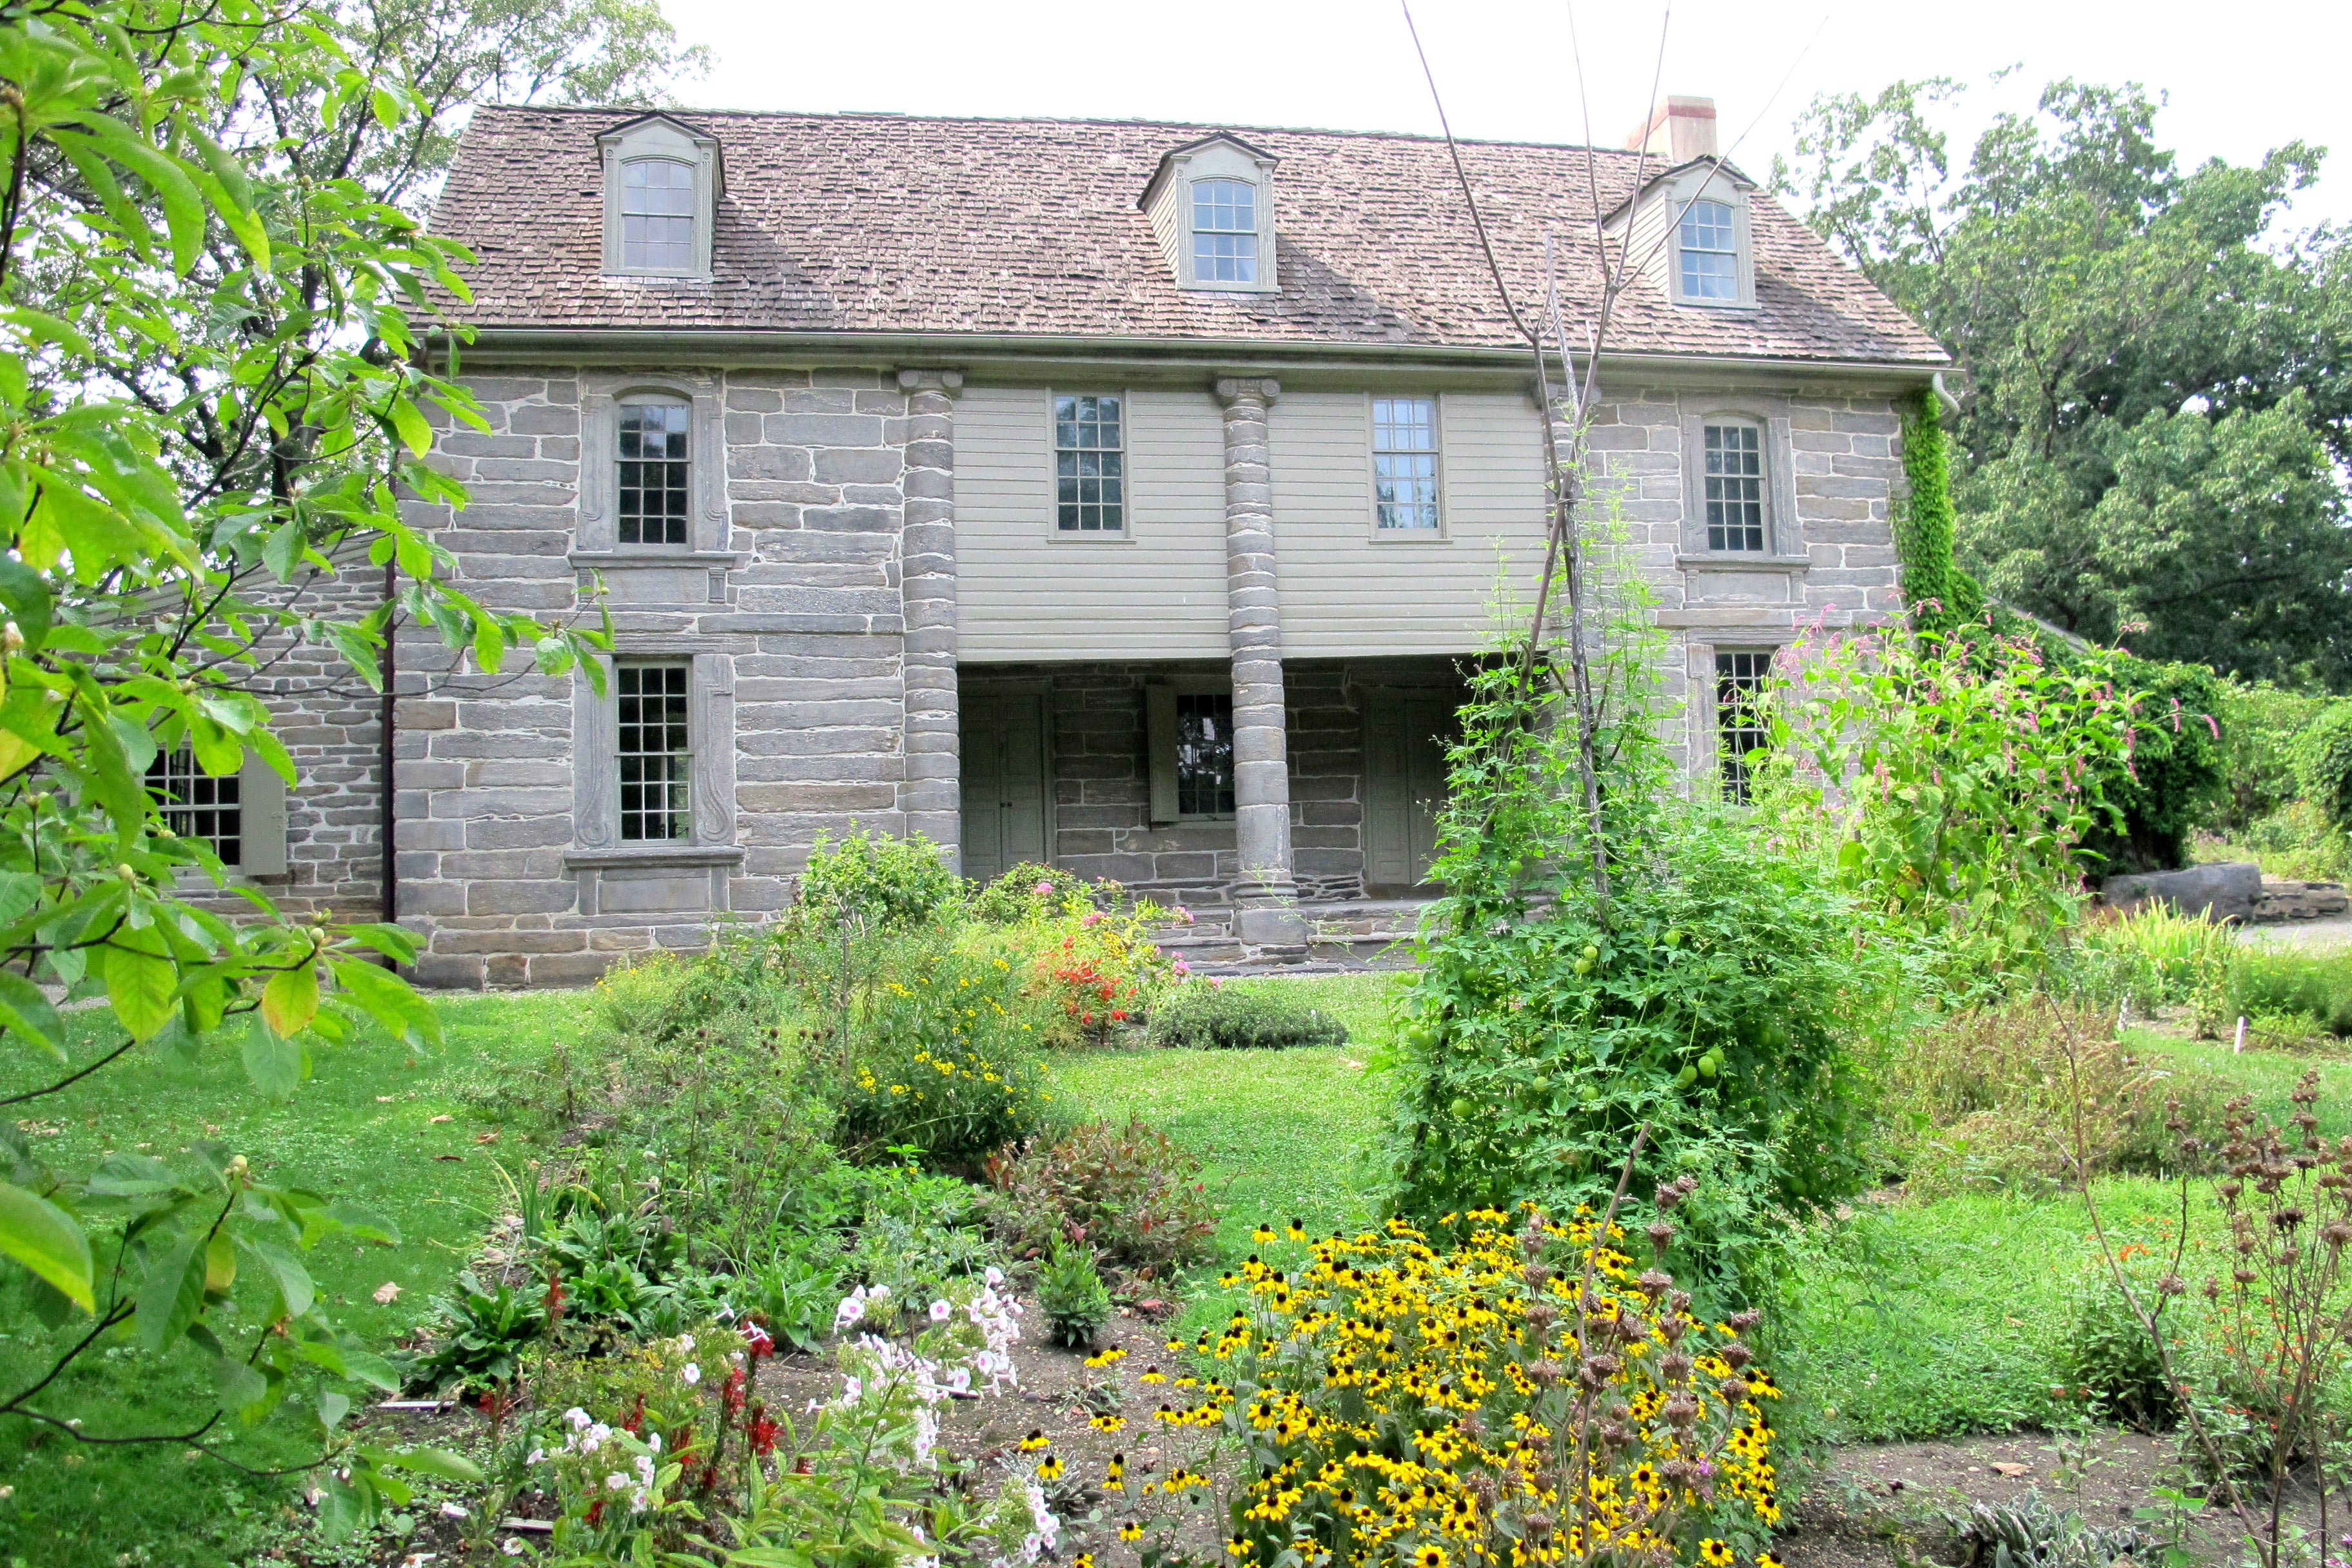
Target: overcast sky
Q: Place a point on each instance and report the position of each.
(2241, 78)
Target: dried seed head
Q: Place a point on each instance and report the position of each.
(1662, 1235)
(1737, 1354)
(1674, 1366)
(1682, 1410)
(1742, 1321)
(1655, 1282)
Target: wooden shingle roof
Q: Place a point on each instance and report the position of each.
(878, 223)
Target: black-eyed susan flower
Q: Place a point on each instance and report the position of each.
(1082, 1560)
(1296, 1231)
(1107, 1423)
(1715, 1553)
(1261, 1234)
(1766, 1560)
(1131, 1531)
(1049, 1468)
(1429, 1555)
(1034, 1441)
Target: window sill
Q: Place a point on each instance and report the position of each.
(681, 855)
(1738, 561)
(653, 555)
(1409, 535)
(1690, 304)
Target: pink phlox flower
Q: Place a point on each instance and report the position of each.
(1094, 917)
(1042, 888)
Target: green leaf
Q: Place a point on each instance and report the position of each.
(332, 1408)
(45, 1239)
(132, 1177)
(140, 979)
(238, 1386)
(387, 998)
(275, 1065)
(410, 425)
(172, 1296)
(290, 1000)
(364, 1223)
(26, 1011)
(184, 209)
(438, 1462)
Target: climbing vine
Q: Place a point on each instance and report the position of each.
(1923, 527)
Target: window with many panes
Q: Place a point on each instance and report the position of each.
(655, 750)
(1204, 756)
(657, 215)
(1740, 681)
(1404, 462)
(655, 438)
(1710, 248)
(1734, 487)
(1224, 231)
(1089, 465)
(198, 805)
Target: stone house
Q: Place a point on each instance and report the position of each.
(1122, 496)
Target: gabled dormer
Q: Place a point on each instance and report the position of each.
(1210, 202)
(663, 179)
(1687, 226)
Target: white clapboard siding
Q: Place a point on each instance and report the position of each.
(1345, 592)
(1025, 592)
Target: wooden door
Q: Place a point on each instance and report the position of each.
(1003, 782)
(1404, 786)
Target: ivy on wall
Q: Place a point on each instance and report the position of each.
(1937, 589)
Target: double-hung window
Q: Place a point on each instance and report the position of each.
(1224, 231)
(1089, 464)
(654, 748)
(1205, 754)
(1734, 487)
(1740, 679)
(657, 215)
(198, 805)
(1404, 462)
(655, 438)
(1710, 252)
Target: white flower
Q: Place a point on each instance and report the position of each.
(510, 1546)
(637, 1501)
(995, 1276)
(646, 1468)
(652, 1441)
(691, 1373)
(852, 1308)
(453, 1510)
(686, 1344)
(617, 1481)
(536, 1455)
(959, 1380)
(877, 1292)
(940, 1310)
(577, 1416)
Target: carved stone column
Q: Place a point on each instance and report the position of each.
(931, 795)
(1265, 899)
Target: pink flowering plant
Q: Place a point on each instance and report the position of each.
(1947, 778)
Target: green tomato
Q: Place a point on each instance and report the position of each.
(1687, 1077)
(1461, 1108)
(1421, 1037)
(1591, 952)
(1582, 966)
(1675, 937)
(1708, 1065)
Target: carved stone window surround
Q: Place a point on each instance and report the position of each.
(1783, 540)
(598, 533)
(596, 788)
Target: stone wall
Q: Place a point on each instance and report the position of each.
(793, 625)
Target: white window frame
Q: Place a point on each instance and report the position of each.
(1374, 451)
(657, 136)
(261, 821)
(1705, 522)
(1194, 189)
(1698, 215)
(1125, 532)
(1708, 182)
(1719, 761)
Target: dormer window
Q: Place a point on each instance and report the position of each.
(657, 215)
(1710, 252)
(1224, 231)
(1211, 203)
(663, 181)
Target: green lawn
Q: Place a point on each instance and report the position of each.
(365, 1128)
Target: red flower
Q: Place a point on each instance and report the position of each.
(757, 1342)
(761, 1430)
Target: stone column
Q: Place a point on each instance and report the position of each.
(1265, 899)
(931, 795)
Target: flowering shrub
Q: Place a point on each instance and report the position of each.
(1523, 1398)
(944, 1059)
(1127, 1192)
(1096, 969)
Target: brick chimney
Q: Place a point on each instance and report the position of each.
(1677, 131)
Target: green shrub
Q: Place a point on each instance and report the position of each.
(1071, 1293)
(1014, 897)
(941, 1056)
(2297, 840)
(2317, 985)
(2108, 1353)
(876, 879)
(916, 1236)
(2173, 781)
(2153, 957)
(1201, 1015)
(2323, 764)
(2261, 726)
(1127, 1192)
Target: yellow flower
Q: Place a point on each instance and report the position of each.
(1133, 1530)
(1766, 1560)
(1431, 1555)
(1034, 1441)
(1715, 1553)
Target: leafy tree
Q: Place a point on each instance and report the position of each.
(211, 382)
(2158, 395)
